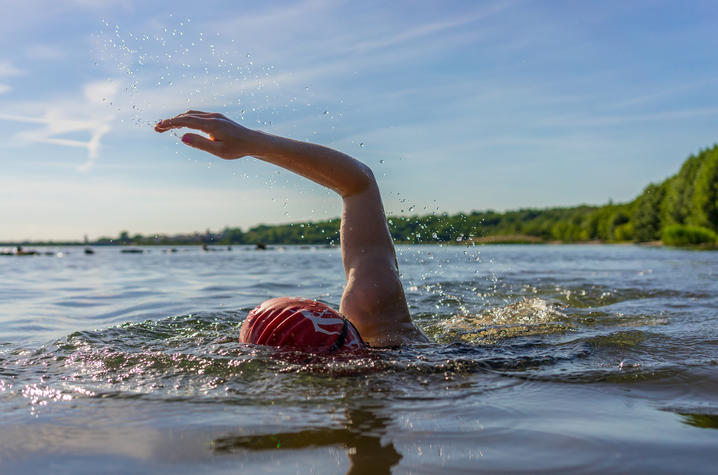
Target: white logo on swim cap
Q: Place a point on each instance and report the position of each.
(319, 320)
(353, 343)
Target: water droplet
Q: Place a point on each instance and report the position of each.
(381, 161)
(361, 144)
(629, 363)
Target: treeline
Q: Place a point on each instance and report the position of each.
(682, 210)
(442, 228)
(323, 232)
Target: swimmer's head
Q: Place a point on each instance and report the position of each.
(301, 324)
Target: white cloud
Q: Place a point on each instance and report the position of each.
(4, 88)
(284, 17)
(100, 91)
(659, 95)
(43, 52)
(7, 69)
(355, 42)
(614, 120)
(426, 29)
(71, 117)
(101, 3)
(57, 124)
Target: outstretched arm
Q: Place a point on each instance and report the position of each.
(373, 298)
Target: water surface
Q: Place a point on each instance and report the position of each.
(547, 358)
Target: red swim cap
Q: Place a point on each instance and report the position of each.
(299, 323)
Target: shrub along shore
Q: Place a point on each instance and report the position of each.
(680, 211)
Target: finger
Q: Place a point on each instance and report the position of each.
(203, 143)
(193, 112)
(162, 126)
(201, 114)
(204, 115)
(204, 124)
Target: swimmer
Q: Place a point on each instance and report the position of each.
(373, 304)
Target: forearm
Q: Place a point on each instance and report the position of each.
(333, 169)
(230, 140)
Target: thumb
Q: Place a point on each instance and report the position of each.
(202, 143)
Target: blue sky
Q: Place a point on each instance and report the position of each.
(456, 105)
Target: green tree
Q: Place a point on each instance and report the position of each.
(647, 213)
(679, 194)
(705, 194)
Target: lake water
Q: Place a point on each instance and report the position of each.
(547, 358)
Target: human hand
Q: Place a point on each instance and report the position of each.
(227, 139)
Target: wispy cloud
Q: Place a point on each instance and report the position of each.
(4, 88)
(175, 66)
(427, 29)
(613, 120)
(659, 95)
(276, 17)
(8, 69)
(357, 43)
(44, 52)
(58, 122)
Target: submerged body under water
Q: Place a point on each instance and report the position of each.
(547, 358)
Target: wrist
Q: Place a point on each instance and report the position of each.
(261, 144)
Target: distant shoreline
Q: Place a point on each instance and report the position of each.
(481, 241)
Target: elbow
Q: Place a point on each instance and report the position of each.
(362, 180)
(366, 177)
